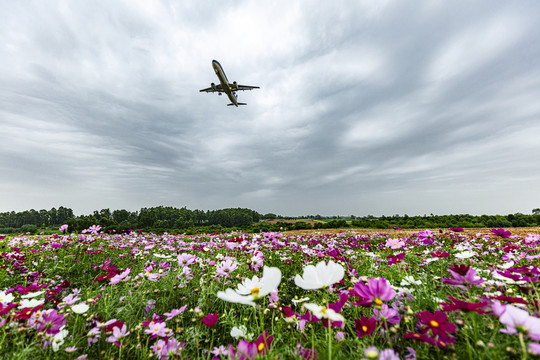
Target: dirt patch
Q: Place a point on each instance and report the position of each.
(311, 222)
(522, 231)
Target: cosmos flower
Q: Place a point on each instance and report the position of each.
(456, 305)
(157, 329)
(168, 348)
(395, 243)
(240, 332)
(461, 280)
(80, 308)
(226, 267)
(386, 313)
(5, 298)
(410, 280)
(365, 326)
(222, 350)
(321, 275)
(504, 234)
(58, 339)
(437, 322)
(174, 312)
(253, 289)
(375, 292)
(119, 277)
(322, 312)
(520, 321)
(210, 319)
(118, 334)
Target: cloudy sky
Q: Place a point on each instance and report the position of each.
(365, 107)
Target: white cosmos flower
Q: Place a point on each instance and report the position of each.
(32, 294)
(465, 255)
(32, 303)
(252, 289)
(322, 312)
(296, 301)
(506, 265)
(409, 280)
(80, 308)
(321, 275)
(240, 332)
(5, 298)
(58, 339)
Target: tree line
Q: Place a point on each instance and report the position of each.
(168, 218)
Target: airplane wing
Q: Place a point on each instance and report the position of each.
(245, 87)
(212, 89)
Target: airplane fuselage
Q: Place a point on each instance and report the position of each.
(227, 88)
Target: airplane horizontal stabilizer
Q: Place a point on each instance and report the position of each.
(231, 104)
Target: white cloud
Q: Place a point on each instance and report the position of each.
(469, 49)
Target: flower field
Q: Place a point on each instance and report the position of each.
(348, 295)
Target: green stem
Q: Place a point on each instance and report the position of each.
(467, 340)
(329, 339)
(523, 347)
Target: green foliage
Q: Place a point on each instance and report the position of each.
(181, 220)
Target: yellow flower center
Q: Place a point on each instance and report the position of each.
(260, 347)
(434, 323)
(364, 327)
(378, 302)
(255, 292)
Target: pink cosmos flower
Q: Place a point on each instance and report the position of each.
(426, 237)
(376, 291)
(49, 321)
(117, 335)
(174, 312)
(222, 350)
(157, 329)
(395, 243)
(535, 348)
(388, 354)
(256, 261)
(226, 267)
(123, 276)
(386, 313)
(460, 281)
(520, 321)
(186, 259)
(168, 348)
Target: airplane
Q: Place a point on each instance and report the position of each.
(225, 87)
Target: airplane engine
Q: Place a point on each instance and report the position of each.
(235, 85)
(213, 86)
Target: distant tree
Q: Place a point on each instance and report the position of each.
(536, 211)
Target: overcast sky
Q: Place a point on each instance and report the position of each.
(365, 107)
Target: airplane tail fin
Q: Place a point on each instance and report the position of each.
(231, 104)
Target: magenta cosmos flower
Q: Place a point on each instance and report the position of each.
(505, 234)
(437, 323)
(210, 319)
(376, 291)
